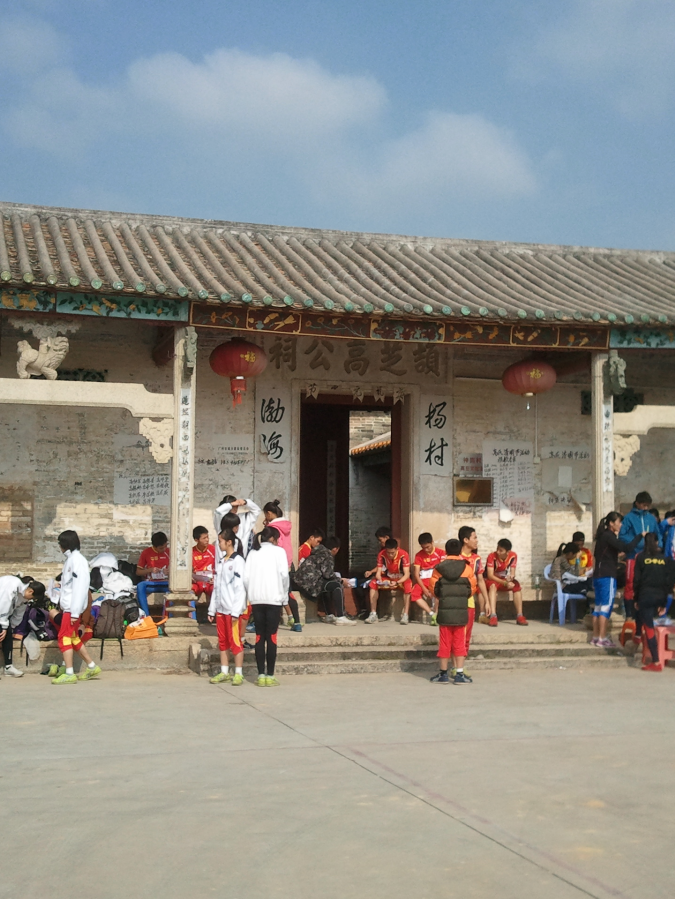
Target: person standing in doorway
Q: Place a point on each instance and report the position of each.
(608, 545)
(468, 539)
(73, 599)
(266, 581)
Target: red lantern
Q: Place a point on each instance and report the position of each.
(529, 377)
(237, 360)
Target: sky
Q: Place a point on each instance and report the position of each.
(543, 122)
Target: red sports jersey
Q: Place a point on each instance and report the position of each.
(395, 566)
(203, 560)
(427, 563)
(303, 552)
(504, 569)
(151, 558)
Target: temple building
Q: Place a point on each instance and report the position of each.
(116, 422)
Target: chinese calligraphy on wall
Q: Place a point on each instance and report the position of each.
(273, 424)
(153, 490)
(435, 436)
(511, 467)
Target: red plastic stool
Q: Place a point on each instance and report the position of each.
(665, 654)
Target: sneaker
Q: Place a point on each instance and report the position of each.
(493, 621)
(652, 667)
(262, 681)
(343, 621)
(65, 679)
(221, 678)
(453, 673)
(372, 618)
(595, 641)
(11, 671)
(521, 619)
(291, 622)
(482, 618)
(462, 678)
(404, 619)
(297, 628)
(89, 673)
(237, 680)
(441, 678)
(271, 681)
(605, 643)
(433, 622)
(329, 619)
(250, 628)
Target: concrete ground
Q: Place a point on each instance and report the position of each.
(551, 784)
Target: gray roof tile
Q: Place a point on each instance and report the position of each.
(268, 265)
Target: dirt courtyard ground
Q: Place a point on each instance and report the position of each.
(551, 784)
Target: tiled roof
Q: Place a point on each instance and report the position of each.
(269, 265)
(372, 446)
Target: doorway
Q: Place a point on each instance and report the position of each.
(349, 493)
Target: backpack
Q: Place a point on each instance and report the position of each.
(110, 621)
(131, 608)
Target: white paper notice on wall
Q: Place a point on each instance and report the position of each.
(273, 424)
(510, 466)
(470, 465)
(565, 474)
(435, 436)
(153, 490)
(565, 477)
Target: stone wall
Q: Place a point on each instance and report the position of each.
(363, 426)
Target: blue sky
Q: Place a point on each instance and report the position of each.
(546, 121)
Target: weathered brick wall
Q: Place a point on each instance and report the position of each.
(364, 426)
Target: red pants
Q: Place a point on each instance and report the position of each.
(417, 590)
(68, 635)
(628, 591)
(199, 587)
(502, 589)
(469, 629)
(451, 641)
(228, 633)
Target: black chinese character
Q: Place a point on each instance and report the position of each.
(272, 446)
(435, 417)
(435, 452)
(271, 412)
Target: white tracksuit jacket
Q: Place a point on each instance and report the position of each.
(246, 526)
(229, 592)
(74, 584)
(12, 591)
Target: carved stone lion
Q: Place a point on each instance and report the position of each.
(43, 361)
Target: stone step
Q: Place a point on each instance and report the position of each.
(427, 666)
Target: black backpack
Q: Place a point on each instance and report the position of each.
(131, 608)
(110, 621)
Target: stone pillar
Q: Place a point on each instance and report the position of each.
(603, 440)
(182, 481)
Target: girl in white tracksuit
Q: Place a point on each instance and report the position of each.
(247, 520)
(228, 603)
(266, 580)
(73, 600)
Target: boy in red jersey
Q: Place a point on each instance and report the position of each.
(393, 572)
(317, 536)
(203, 562)
(422, 569)
(501, 573)
(154, 565)
(469, 545)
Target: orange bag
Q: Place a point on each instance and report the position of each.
(146, 630)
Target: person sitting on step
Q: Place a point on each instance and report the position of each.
(501, 578)
(392, 573)
(317, 579)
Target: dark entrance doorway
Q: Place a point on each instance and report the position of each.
(325, 472)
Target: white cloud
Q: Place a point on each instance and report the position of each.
(623, 49)
(29, 45)
(270, 119)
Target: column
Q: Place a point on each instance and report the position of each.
(182, 481)
(603, 440)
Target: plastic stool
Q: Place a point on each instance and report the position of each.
(665, 654)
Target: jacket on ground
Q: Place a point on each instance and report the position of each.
(634, 523)
(12, 591)
(74, 584)
(266, 576)
(453, 589)
(316, 570)
(229, 592)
